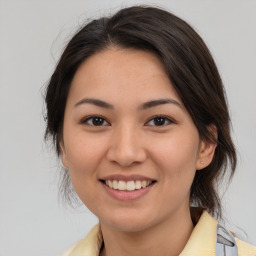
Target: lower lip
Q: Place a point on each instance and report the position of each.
(128, 195)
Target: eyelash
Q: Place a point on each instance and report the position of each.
(90, 118)
(152, 119)
(165, 118)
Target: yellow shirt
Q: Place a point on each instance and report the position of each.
(202, 241)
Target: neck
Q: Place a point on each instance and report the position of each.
(166, 238)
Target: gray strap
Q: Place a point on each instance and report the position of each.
(226, 244)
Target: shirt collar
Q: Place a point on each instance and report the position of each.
(201, 242)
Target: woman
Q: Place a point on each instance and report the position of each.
(137, 111)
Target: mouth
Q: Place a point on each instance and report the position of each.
(128, 186)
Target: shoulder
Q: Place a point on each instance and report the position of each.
(245, 249)
(203, 239)
(68, 252)
(89, 246)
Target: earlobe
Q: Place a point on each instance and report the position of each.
(207, 150)
(64, 159)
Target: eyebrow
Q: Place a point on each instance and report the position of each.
(95, 102)
(144, 106)
(154, 103)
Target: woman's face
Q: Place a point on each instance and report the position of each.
(130, 145)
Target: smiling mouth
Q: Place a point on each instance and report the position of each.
(127, 185)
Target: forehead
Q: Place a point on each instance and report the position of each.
(122, 74)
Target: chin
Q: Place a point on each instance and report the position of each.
(129, 227)
(128, 222)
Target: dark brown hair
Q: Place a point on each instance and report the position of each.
(189, 66)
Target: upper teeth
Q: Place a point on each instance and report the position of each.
(129, 185)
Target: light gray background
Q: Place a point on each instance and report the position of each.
(32, 34)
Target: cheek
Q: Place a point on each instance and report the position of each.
(177, 150)
(83, 155)
(176, 158)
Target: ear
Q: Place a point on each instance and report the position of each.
(207, 150)
(64, 158)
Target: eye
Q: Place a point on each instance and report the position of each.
(159, 121)
(95, 121)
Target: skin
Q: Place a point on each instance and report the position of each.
(128, 142)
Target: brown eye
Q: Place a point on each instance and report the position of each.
(95, 121)
(159, 121)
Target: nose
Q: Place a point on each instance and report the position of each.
(126, 147)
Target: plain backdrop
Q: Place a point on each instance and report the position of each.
(32, 36)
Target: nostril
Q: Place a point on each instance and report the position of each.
(126, 148)
(126, 158)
